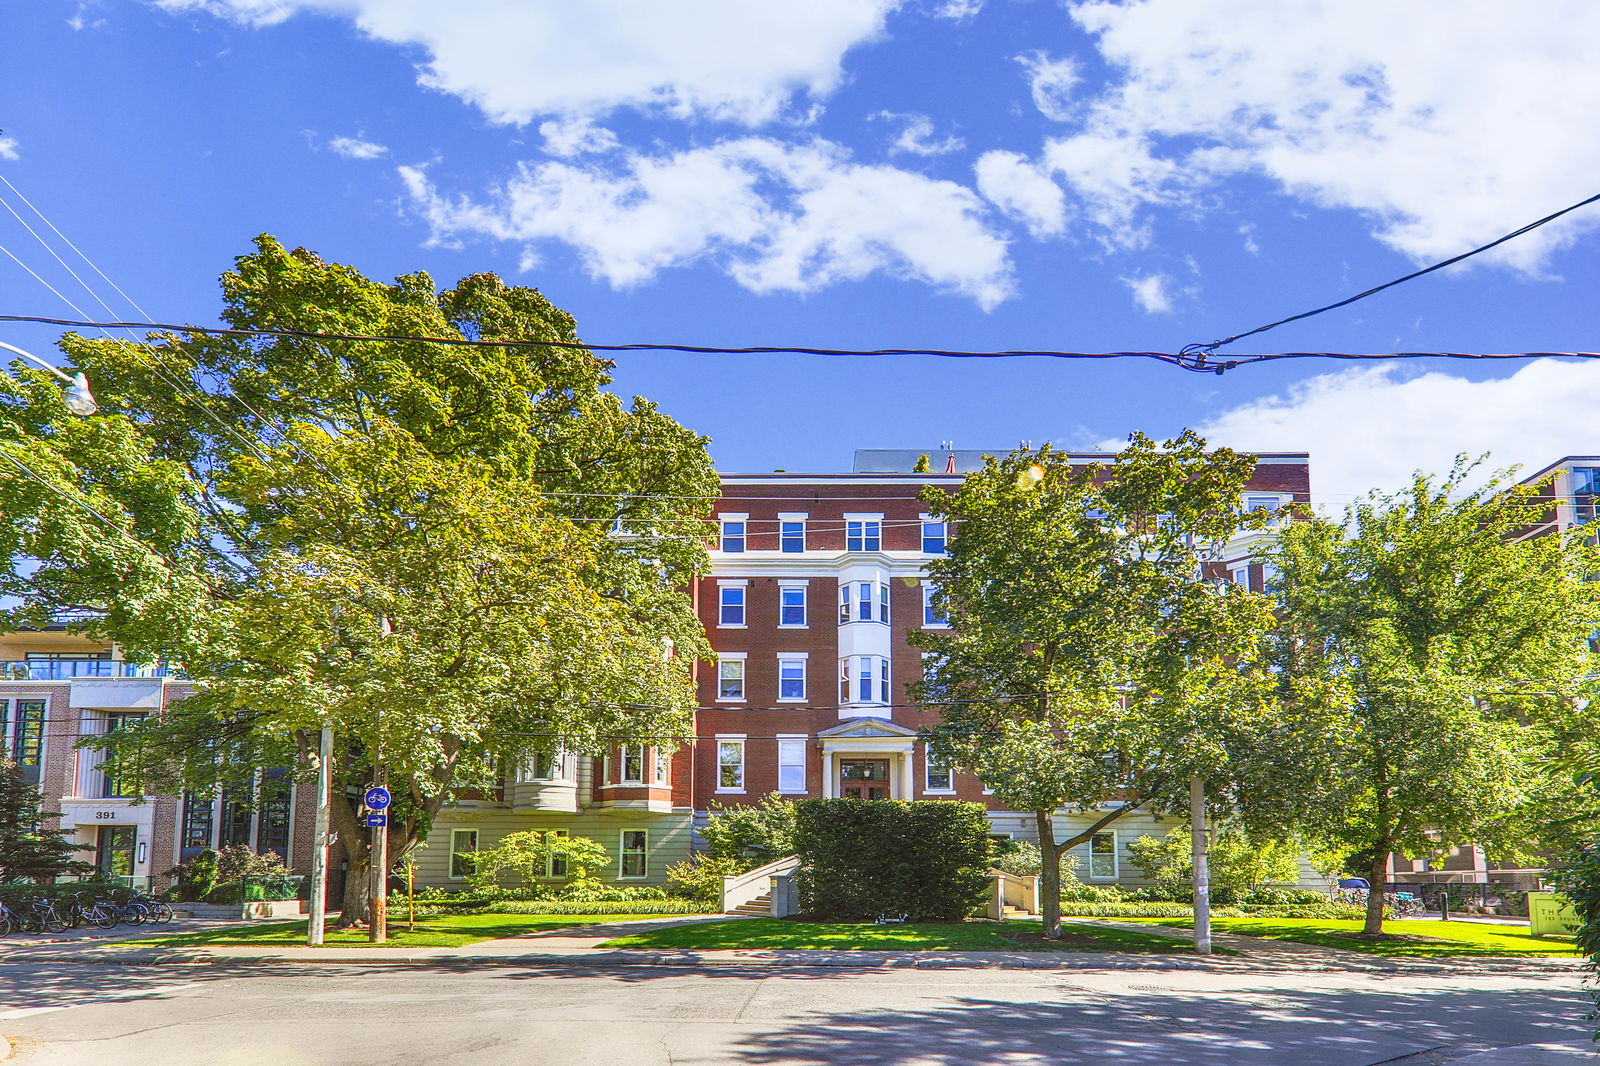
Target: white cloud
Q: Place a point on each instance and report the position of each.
(518, 60)
(575, 136)
(356, 148)
(958, 10)
(10, 148)
(1362, 104)
(1150, 293)
(917, 136)
(1020, 189)
(775, 217)
(1051, 81)
(1114, 177)
(1370, 427)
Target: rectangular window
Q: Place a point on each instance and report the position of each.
(27, 737)
(791, 765)
(733, 536)
(1586, 481)
(1240, 576)
(863, 535)
(870, 674)
(1269, 504)
(463, 846)
(635, 853)
(198, 815)
(272, 827)
(730, 600)
(845, 612)
(792, 535)
(883, 680)
(791, 679)
(632, 759)
(550, 765)
(792, 605)
(555, 865)
(730, 765)
(864, 601)
(933, 537)
(883, 603)
(931, 615)
(1103, 854)
(663, 767)
(730, 679)
(939, 777)
(864, 665)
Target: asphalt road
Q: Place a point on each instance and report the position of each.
(531, 1012)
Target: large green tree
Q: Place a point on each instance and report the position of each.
(28, 849)
(1443, 655)
(1088, 666)
(412, 543)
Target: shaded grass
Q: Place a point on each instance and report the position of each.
(438, 931)
(776, 934)
(1406, 939)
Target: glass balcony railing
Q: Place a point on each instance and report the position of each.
(67, 669)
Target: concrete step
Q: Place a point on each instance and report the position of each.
(760, 907)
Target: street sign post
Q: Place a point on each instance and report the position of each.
(377, 821)
(377, 798)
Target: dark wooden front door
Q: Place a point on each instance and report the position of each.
(866, 779)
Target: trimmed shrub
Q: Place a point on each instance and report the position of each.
(1326, 909)
(1125, 910)
(700, 877)
(639, 906)
(863, 858)
(227, 892)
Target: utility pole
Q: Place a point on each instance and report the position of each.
(378, 928)
(319, 843)
(1202, 874)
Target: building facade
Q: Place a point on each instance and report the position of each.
(815, 585)
(57, 688)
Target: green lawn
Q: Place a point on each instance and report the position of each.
(443, 931)
(1415, 939)
(770, 934)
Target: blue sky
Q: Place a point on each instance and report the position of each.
(869, 173)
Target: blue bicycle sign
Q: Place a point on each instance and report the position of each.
(377, 798)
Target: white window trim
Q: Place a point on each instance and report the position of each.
(744, 680)
(805, 676)
(927, 770)
(622, 836)
(927, 592)
(863, 516)
(804, 768)
(744, 763)
(450, 867)
(1116, 857)
(733, 582)
(547, 875)
(802, 584)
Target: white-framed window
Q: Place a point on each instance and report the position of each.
(551, 766)
(935, 538)
(22, 732)
(1269, 576)
(792, 764)
(1240, 575)
(631, 759)
(730, 605)
(864, 601)
(939, 777)
(463, 852)
(863, 679)
(733, 530)
(555, 866)
(792, 606)
(1272, 505)
(634, 855)
(791, 676)
(932, 617)
(1103, 855)
(792, 532)
(863, 533)
(663, 767)
(730, 677)
(730, 764)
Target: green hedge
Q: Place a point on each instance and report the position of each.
(863, 858)
(1325, 909)
(637, 906)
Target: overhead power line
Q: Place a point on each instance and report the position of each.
(1195, 357)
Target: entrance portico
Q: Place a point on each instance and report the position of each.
(867, 758)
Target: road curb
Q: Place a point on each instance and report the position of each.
(829, 960)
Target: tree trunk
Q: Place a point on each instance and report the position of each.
(1049, 875)
(1379, 877)
(357, 890)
